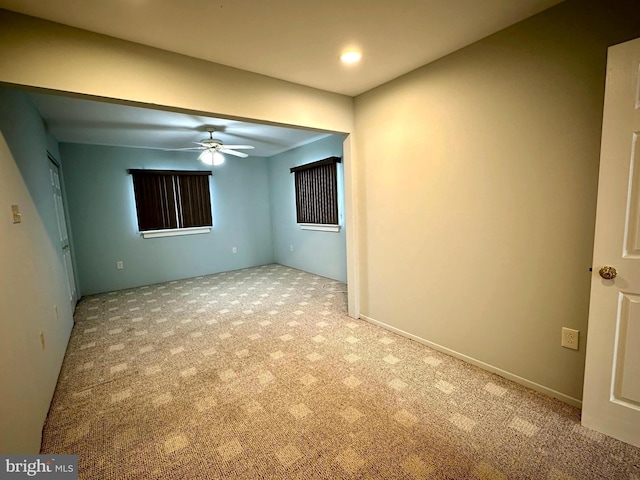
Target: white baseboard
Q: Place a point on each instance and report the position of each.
(498, 371)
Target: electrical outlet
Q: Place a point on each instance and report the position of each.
(291, 247)
(570, 338)
(234, 250)
(119, 265)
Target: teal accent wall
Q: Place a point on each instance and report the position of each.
(34, 298)
(103, 218)
(29, 141)
(323, 253)
(253, 207)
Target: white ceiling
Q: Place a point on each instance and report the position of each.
(76, 120)
(294, 40)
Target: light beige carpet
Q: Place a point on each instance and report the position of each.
(259, 374)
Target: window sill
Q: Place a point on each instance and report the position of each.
(320, 227)
(175, 232)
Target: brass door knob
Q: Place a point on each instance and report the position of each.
(608, 273)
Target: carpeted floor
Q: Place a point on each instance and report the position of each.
(260, 374)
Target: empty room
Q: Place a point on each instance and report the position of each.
(227, 252)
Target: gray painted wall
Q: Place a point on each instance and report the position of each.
(477, 190)
(323, 253)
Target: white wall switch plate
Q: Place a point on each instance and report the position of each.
(17, 216)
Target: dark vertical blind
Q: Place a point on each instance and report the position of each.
(196, 202)
(316, 186)
(168, 199)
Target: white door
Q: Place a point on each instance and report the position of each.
(611, 400)
(62, 228)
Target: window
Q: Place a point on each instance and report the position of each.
(172, 199)
(317, 192)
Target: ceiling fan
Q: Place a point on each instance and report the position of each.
(214, 148)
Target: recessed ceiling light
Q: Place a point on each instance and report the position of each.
(351, 57)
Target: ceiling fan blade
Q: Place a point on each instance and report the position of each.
(239, 147)
(232, 152)
(205, 145)
(187, 148)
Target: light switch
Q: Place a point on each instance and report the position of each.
(17, 216)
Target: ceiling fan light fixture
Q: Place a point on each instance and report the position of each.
(218, 158)
(213, 149)
(211, 157)
(206, 157)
